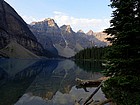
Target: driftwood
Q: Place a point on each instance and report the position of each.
(92, 83)
(89, 102)
(89, 83)
(89, 98)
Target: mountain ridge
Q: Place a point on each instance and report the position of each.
(63, 38)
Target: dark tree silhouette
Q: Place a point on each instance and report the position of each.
(123, 57)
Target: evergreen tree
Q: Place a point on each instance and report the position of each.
(124, 54)
(93, 53)
(123, 58)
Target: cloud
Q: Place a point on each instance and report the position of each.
(85, 24)
(80, 23)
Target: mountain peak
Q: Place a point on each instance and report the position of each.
(48, 19)
(66, 28)
(90, 32)
(80, 31)
(50, 22)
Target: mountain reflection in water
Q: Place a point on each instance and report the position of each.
(42, 82)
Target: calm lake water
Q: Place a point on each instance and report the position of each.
(45, 82)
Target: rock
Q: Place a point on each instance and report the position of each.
(98, 38)
(63, 40)
(48, 34)
(12, 51)
(13, 27)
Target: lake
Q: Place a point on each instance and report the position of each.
(46, 82)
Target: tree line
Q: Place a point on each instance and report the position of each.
(94, 53)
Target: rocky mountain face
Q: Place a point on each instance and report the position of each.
(63, 40)
(48, 34)
(74, 40)
(13, 28)
(97, 38)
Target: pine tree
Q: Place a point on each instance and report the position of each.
(123, 57)
(124, 54)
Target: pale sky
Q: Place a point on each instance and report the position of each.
(80, 14)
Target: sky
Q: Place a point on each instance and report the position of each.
(80, 14)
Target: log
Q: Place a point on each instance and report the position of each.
(90, 97)
(88, 83)
(92, 83)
